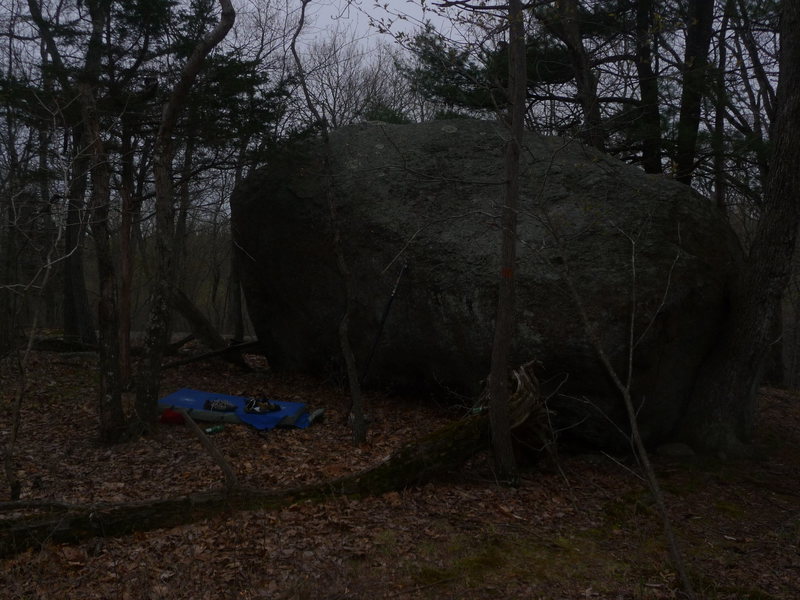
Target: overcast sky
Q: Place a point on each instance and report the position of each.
(400, 15)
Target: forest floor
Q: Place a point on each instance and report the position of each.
(582, 528)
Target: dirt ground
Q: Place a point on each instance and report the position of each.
(582, 528)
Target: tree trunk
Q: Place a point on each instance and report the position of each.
(111, 415)
(765, 81)
(722, 410)
(159, 325)
(650, 126)
(126, 251)
(78, 322)
(203, 330)
(53, 229)
(77, 316)
(357, 409)
(235, 310)
(8, 325)
(506, 320)
(567, 28)
(700, 19)
(720, 105)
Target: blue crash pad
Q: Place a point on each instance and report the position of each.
(291, 414)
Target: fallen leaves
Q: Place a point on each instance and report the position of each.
(581, 534)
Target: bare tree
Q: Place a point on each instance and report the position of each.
(624, 389)
(721, 413)
(564, 23)
(359, 424)
(499, 410)
(77, 315)
(112, 418)
(699, 24)
(648, 88)
(92, 160)
(350, 81)
(159, 326)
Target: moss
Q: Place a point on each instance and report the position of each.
(751, 594)
(385, 539)
(427, 575)
(475, 567)
(689, 482)
(754, 594)
(710, 589)
(790, 531)
(461, 563)
(567, 559)
(627, 506)
(729, 508)
(564, 544)
(465, 560)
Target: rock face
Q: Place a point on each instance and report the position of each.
(649, 260)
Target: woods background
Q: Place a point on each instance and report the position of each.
(683, 89)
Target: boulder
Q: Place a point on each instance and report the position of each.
(417, 207)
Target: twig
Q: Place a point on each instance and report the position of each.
(623, 466)
(230, 477)
(678, 561)
(22, 364)
(356, 398)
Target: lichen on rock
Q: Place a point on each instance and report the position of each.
(429, 199)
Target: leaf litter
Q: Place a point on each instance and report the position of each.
(585, 529)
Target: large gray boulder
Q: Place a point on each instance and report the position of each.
(649, 259)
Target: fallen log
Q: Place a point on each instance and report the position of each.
(233, 348)
(415, 463)
(204, 331)
(53, 344)
(174, 347)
